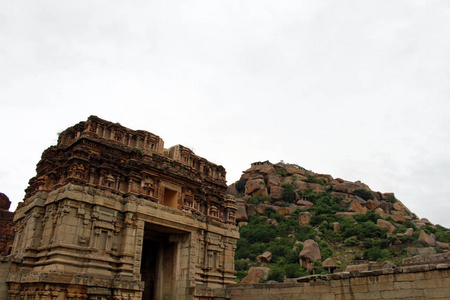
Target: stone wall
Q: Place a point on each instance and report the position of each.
(408, 282)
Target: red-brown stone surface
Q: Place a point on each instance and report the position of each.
(6, 225)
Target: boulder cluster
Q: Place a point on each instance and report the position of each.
(354, 214)
(269, 181)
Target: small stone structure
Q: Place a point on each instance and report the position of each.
(112, 214)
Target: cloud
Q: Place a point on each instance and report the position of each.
(357, 89)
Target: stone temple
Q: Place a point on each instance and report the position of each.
(112, 214)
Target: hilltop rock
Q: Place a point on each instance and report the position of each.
(347, 187)
(267, 169)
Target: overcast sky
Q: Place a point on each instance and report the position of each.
(356, 89)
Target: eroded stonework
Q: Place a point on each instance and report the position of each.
(6, 225)
(112, 214)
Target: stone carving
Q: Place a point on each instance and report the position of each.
(112, 214)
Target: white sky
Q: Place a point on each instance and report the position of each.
(356, 89)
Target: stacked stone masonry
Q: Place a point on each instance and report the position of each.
(112, 214)
(413, 282)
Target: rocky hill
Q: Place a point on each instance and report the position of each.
(295, 222)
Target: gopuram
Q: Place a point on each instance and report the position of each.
(112, 214)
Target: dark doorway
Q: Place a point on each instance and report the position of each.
(158, 264)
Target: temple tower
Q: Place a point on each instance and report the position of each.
(112, 214)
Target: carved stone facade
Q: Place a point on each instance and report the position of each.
(112, 214)
(6, 225)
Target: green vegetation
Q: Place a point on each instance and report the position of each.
(259, 200)
(366, 195)
(391, 198)
(281, 172)
(340, 238)
(310, 178)
(240, 185)
(288, 193)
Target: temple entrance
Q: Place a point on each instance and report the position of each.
(159, 267)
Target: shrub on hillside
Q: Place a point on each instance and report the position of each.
(366, 195)
(376, 254)
(310, 178)
(276, 273)
(288, 193)
(294, 270)
(240, 185)
(280, 171)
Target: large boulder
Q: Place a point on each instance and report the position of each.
(347, 187)
(356, 207)
(276, 192)
(346, 214)
(300, 185)
(261, 209)
(426, 239)
(264, 258)
(255, 274)
(293, 170)
(267, 169)
(373, 204)
(310, 253)
(421, 251)
(254, 185)
(284, 211)
(241, 213)
(386, 224)
(397, 216)
(443, 246)
(287, 180)
(336, 227)
(273, 180)
(251, 210)
(408, 232)
(304, 218)
(399, 207)
(231, 190)
(380, 212)
(317, 187)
